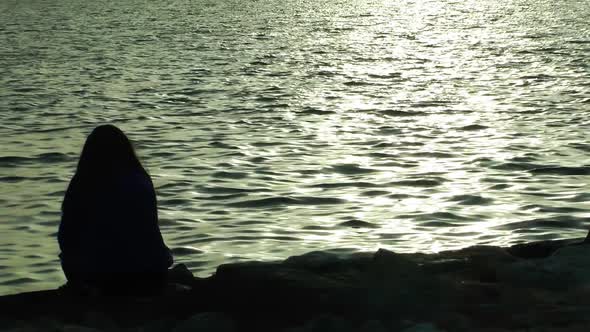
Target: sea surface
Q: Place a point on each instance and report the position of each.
(273, 128)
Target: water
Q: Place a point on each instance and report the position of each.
(273, 128)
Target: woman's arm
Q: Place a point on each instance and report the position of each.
(65, 232)
(167, 253)
(146, 210)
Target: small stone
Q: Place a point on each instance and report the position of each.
(78, 328)
(398, 287)
(567, 268)
(372, 326)
(157, 326)
(98, 320)
(207, 321)
(328, 323)
(23, 329)
(452, 321)
(314, 261)
(180, 274)
(540, 249)
(422, 327)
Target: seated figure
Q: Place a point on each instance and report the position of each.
(109, 237)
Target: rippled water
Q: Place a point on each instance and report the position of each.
(273, 128)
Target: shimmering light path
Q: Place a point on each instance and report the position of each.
(273, 128)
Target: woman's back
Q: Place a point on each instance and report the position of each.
(109, 228)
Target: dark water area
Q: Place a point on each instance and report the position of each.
(273, 128)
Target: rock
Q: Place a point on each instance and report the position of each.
(172, 289)
(479, 262)
(331, 292)
(459, 291)
(24, 329)
(568, 267)
(321, 261)
(207, 321)
(540, 249)
(399, 287)
(422, 327)
(327, 323)
(156, 326)
(456, 322)
(78, 328)
(313, 261)
(98, 320)
(180, 274)
(373, 325)
(444, 265)
(388, 268)
(47, 324)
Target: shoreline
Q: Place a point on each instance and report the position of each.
(544, 286)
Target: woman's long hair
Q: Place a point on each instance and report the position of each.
(107, 153)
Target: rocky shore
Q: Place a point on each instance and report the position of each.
(541, 286)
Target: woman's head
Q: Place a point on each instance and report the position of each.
(107, 151)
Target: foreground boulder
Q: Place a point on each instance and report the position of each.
(207, 321)
(566, 268)
(543, 286)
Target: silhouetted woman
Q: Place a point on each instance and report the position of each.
(109, 235)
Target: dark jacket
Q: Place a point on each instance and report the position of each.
(110, 227)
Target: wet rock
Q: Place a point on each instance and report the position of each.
(180, 274)
(399, 287)
(464, 290)
(315, 260)
(98, 320)
(326, 323)
(46, 324)
(298, 292)
(160, 325)
(540, 249)
(180, 279)
(207, 321)
(567, 267)
(373, 326)
(480, 262)
(445, 265)
(78, 328)
(257, 275)
(422, 327)
(456, 322)
(321, 261)
(24, 329)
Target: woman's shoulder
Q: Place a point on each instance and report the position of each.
(135, 181)
(139, 176)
